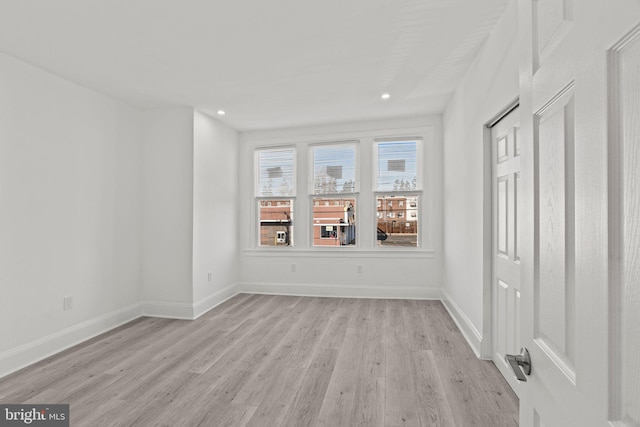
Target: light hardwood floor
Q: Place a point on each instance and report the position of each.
(259, 360)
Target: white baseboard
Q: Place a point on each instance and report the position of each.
(341, 291)
(217, 298)
(469, 331)
(186, 311)
(34, 351)
(27, 354)
(169, 310)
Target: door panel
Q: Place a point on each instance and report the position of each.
(552, 22)
(516, 244)
(553, 289)
(503, 232)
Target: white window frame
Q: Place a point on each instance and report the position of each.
(418, 192)
(258, 197)
(337, 195)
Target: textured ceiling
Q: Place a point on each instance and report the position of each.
(269, 64)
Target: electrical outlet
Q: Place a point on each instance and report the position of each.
(67, 303)
(209, 276)
(293, 268)
(359, 269)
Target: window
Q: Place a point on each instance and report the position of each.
(330, 195)
(334, 174)
(276, 221)
(334, 169)
(276, 172)
(327, 232)
(399, 224)
(274, 192)
(397, 185)
(334, 224)
(397, 165)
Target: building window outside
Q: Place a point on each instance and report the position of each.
(327, 232)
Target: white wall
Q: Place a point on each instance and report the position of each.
(406, 272)
(215, 211)
(190, 169)
(168, 207)
(70, 211)
(489, 86)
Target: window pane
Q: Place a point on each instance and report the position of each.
(276, 218)
(334, 221)
(334, 169)
(276, 173)
(397, 166)
(397, 219)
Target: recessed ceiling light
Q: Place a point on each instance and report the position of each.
(221, 112)
(385, 96)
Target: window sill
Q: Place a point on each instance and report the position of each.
(290, 252)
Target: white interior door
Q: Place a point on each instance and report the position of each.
(580, 194)
(506, 256)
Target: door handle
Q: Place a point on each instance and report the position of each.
(521, 360)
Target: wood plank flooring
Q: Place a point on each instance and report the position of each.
(259, 360)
